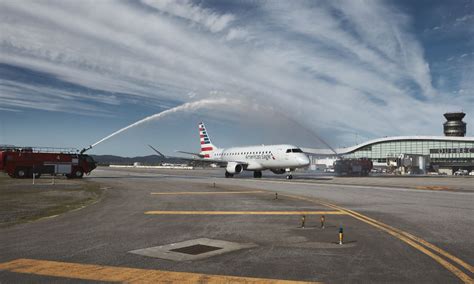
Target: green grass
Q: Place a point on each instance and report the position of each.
(21, 201)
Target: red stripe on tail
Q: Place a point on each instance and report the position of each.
(206, 149)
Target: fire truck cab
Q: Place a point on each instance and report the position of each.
(24, 162)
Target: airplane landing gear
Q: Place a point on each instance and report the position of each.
(228, 175)
(257, 174)
(289, 177)
(288, 174)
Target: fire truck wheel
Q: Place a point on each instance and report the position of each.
(78, 173)
(20, 173)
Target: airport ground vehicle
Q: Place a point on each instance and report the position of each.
(461, 173)
(23, 162)
(353, 167)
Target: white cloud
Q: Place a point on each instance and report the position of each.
(465, 18)
(185, 9)
(237, 33)
(335, 74)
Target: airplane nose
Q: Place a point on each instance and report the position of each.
(303, 160)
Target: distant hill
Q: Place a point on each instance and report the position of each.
(145, 160)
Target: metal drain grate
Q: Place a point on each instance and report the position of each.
(196, 249)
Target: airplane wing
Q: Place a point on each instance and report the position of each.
(191, 153)
(198, 157)
(158, 152)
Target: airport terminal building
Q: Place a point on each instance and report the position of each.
(448, 153)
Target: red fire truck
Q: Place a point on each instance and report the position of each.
(23, 162)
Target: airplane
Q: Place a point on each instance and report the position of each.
(279, 159)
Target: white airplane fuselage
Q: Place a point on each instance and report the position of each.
(265, 157)
(279, 159)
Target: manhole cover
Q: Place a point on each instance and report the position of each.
(195, 249)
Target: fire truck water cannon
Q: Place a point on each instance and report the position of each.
(86, 149)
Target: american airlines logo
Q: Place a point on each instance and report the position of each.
(260, 157)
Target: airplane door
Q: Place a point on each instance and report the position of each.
(284, 154)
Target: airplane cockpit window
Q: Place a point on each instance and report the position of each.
(295, 150)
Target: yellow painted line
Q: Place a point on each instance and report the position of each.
(244, 213)
(122, 274)
(422, 241)
(433, 188)
(408, 238)
(205, 192)
(415, 238)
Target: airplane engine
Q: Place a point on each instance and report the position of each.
(234, 168)
(278, 171)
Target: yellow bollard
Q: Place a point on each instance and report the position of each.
(303, 219)
(341, 235)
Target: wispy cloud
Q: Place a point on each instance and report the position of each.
(213, 21)
(333, 66)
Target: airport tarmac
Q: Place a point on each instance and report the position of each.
(158, 226)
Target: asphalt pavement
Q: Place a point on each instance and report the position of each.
(417, 230)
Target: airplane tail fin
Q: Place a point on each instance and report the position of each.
(207, 148)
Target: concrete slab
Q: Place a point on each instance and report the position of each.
(167, 251)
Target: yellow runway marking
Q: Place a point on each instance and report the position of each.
(122, 274)
(408, 238)
(245, 213)
(205, 192)
(433, 188)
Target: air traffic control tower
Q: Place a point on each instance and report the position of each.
(454, 126)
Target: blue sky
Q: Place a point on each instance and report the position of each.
(72, 72)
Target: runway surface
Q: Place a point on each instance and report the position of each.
(395, 230)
